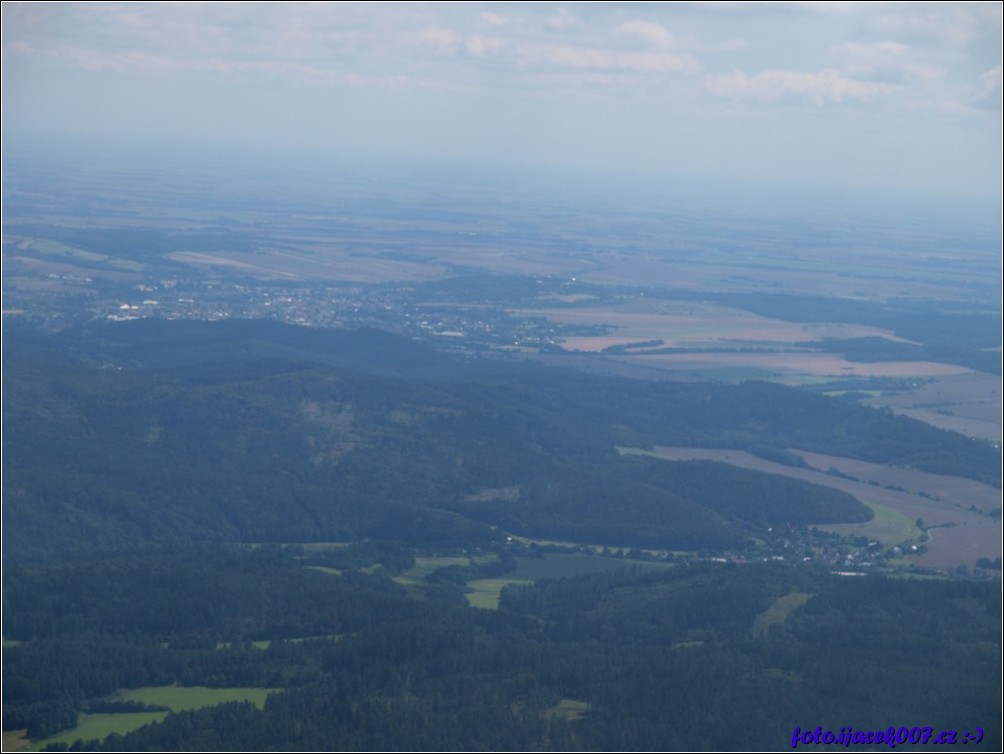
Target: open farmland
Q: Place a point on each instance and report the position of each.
(725, 342)
(99, 725)
(966, 403)
(694, 325)
(963, 535)
(174, 698)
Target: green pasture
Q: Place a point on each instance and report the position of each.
(778, 612)
(324, 546)
(325, 569)
(599, 549)
(263, 644)
(486, 592)
(180, 698)
(100, 725)
(560, 565)
(56, 249)
(426, 564)
(175, 698)
(570, 709)
(888, 526)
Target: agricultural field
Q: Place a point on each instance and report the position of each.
(943, 503)
(425, 564)
(97, 726)
(966, 403)
(174, 698)
(734, 344)
(486, 592)
(180, 698)
(693, 325)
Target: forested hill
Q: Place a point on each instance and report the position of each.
(165, 432)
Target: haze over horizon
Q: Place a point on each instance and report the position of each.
(844, 95)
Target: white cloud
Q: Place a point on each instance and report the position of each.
(955, 24)
(988, 92)
(439, 40)
(887, 61)
(598, 59)
(481, 45)
(494, 19)
(818, 88)
(648, 32)
(560, 20)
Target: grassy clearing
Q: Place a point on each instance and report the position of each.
(556, 566)
(55, 248)
(889, 526)
(325, 569)
(175, 698)
(324, 546)
(180, 698)
(778, 612)
(14, 740)
(424, 565)
(599, 549)
(570, 709)
(264, 644)
(98, 726)
(487, 591)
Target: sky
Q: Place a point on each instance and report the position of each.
(858, 95)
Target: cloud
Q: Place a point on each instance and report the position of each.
(817, 88)
(439, 40)
(494, 19)
(883, 61)
(131, 62)
(648, 32)
(954, 24)
(560, 20)
(987, 94)
(479, 45)
(598, 59)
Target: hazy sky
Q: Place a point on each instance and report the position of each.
(870, 94)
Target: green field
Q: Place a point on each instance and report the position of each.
(556, 566)
(175, 698)
(486, 591)
(179, 698)
(570, 709)
(325, 569)
(52, 248)
(599, 549)
(424, 565)
(263, 644)
(778, 612)
(889, 526)
(100, 725)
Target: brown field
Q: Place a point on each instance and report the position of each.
(796, 364)
(694, 325)
(967, 403)
(949, 489)
(769, 349)
(962, 535)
